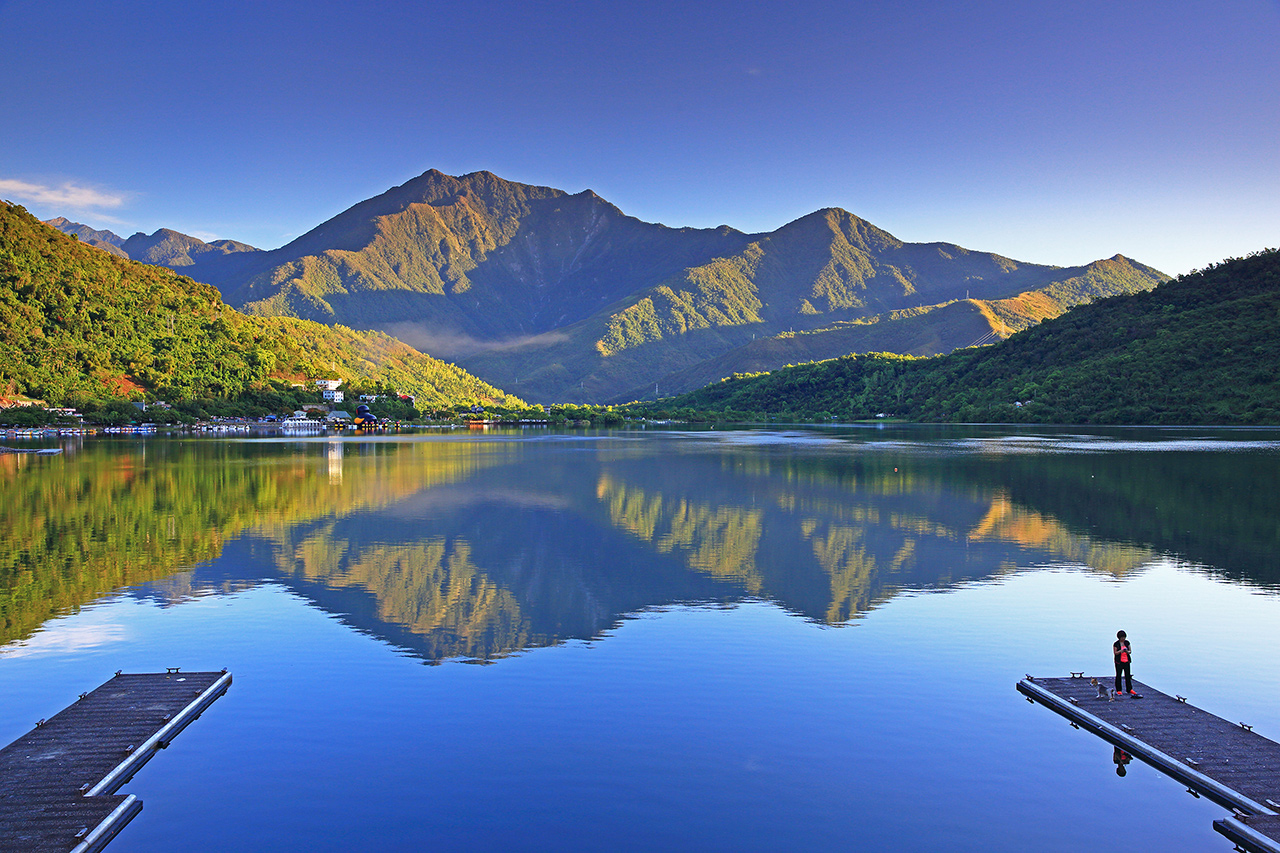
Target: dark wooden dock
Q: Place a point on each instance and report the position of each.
(58, 781)
(1221, 760)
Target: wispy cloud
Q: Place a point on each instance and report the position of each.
(61, 637)
(67, 194)
(456, 345)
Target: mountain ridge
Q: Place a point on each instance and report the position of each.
(561, 296)
(166, 247)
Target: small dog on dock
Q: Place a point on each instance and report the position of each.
(1103, 692)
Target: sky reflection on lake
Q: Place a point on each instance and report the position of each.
(750, 640)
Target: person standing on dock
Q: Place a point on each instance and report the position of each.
(1124, 655)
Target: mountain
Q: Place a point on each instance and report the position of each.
(173, 249)
(77, 322)
(564, 297)
(108, 241)
(165, 247)
(672, 335)
(475, 261)
(1202, 349)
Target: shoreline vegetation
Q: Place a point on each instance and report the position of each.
(195, 415)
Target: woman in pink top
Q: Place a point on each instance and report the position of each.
(1124, 656)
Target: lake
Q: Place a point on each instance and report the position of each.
(648, 640)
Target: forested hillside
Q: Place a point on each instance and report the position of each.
(76, 322)
(1203, 349)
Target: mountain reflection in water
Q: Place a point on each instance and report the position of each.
(478, 547)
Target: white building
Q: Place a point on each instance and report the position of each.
(329, 390)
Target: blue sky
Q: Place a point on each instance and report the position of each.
(1054, 133)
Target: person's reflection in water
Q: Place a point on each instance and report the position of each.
(1121, 758)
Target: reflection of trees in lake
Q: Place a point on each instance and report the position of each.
(830, 540)
(430, 588)
(717, 539)
(114, 515)
(480, 548)
(1219, 510)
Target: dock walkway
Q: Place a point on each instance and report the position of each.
(58, 781)
(1224, 761)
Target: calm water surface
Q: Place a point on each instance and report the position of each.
(751, 640)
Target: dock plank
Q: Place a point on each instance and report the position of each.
(1222, 760)
(58, 781)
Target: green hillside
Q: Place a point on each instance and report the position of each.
(1204, 349)
(79, 322)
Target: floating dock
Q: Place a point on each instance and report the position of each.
(1223, 761)
(58, 781)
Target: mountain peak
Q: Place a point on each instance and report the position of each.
(831, 222)
(354, 228)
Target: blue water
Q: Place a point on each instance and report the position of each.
(691, 641)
